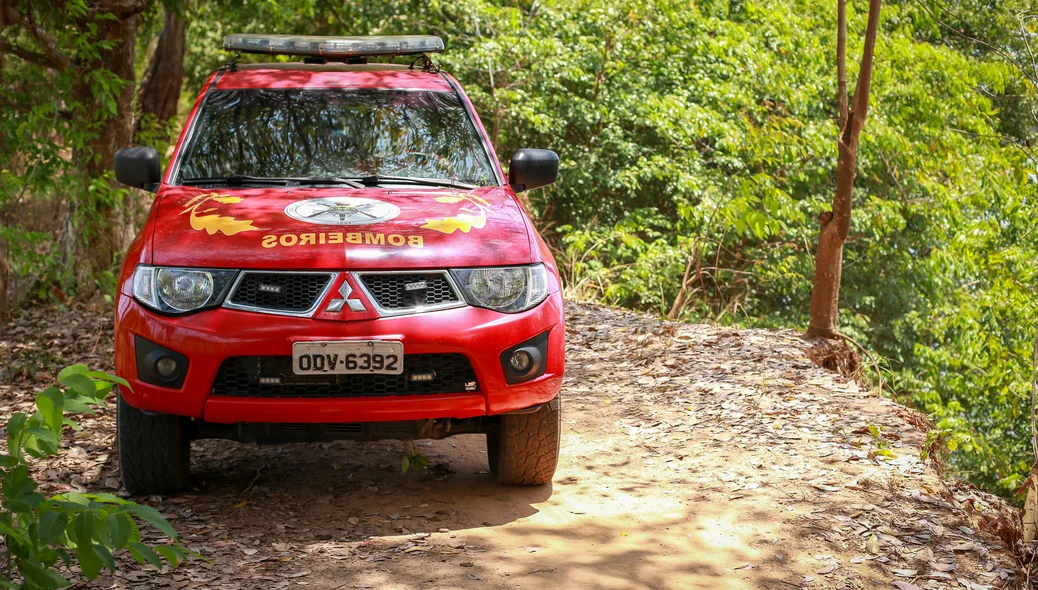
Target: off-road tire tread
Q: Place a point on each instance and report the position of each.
(524, 448)
(154, 452)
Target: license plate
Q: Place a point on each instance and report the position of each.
(373, 357)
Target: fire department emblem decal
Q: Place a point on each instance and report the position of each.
(342, 211)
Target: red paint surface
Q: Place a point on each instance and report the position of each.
(506, 237)
(209, 337)
(317, 78)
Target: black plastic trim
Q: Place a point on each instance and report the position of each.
(537, 347)
(149, 353)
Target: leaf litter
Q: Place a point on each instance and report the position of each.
(740, 417)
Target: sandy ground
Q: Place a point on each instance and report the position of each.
(693, 457)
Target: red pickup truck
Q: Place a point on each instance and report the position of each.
(335, 253)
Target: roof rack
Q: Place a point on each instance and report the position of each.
(334, 48)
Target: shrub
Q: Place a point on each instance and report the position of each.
(90, 529)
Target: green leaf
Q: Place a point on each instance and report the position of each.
(52, 526)
(20, 490)
(38, 576)
(168, 553)
(14, 429)
(106, 498)
(120, 527)
(142, 553)
(405, 464)
(152, 517)
(73, 370)
(44, 435)
(79, 404)
(80, 383)
(51, 405)
(108, 377)
(89, 562)
(105, 556)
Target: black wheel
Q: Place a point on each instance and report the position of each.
(524, 448)
(154, 451)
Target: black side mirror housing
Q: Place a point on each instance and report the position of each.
(530, 169)
(138, 167)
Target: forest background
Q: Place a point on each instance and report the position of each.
(698, 147)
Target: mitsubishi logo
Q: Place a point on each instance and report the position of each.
(354, 304)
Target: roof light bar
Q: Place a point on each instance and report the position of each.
(333, 47)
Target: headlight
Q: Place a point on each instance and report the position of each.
(180, 290)
(509, 289)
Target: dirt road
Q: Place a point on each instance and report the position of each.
(693, 457)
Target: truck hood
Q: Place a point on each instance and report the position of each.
(339, 228)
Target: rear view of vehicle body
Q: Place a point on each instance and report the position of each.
(334, 253)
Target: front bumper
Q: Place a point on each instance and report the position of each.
(208, 338)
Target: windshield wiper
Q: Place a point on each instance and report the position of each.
(350, 182)
(235, 180)
(377, 179)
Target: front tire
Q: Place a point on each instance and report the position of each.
(154, 451)
(524, 448)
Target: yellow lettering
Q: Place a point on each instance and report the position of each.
(288, 240)
(374, 239)
(306, 239)
(335, 238)
(270, 241)
(320, 238)
(416, 241)
(396, 240)
(353, 237)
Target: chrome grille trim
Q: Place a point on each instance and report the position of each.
(299, 314)
(383, 312)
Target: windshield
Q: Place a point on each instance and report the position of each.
(317, 133)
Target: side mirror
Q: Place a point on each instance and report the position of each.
(532, 169)
(138, 167)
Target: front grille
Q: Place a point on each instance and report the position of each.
(239, 377)
(280, 291)
(404, 291)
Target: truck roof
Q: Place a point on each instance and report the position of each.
(331, 75)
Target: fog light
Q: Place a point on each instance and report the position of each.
(521, 361)
(526, 360)
(166, 367)
(422, 377)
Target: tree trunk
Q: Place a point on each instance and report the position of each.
(159, 94)
(836, 224)
(3, 284)
(94, 218)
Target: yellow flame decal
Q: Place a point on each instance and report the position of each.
(468, 217)
(210, 220)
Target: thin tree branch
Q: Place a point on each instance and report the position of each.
(29, 56)
(841, 60)
(59, 60)
(16, 106)
(1009, 58)
(861, 93)
(121, 9)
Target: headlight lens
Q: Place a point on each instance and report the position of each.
(180, 290)
(510, 289)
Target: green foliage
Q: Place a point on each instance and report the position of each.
(698, 150)
(89, 529)
(413, 459)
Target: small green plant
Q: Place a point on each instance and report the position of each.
(941, 443)
(412, 458)
(38, 532)
(882, 446)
